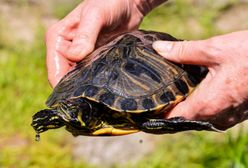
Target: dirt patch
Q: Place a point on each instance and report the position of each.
(19, 23)
(15, 141)
(109, 151)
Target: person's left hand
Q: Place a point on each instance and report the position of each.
(91, 24)
(222, 97)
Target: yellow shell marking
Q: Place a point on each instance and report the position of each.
(113, 131)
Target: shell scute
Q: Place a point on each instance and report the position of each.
(128, 75)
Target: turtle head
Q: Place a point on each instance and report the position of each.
(75, 116)
(46, 119)
(61, 115)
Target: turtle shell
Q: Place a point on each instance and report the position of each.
(128, 75)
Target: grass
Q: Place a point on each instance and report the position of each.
(199, 150)
(24, 89)
(60, 11)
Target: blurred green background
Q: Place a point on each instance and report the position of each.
(24, 89)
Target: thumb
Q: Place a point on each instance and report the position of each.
(85, 38)
(185, 52)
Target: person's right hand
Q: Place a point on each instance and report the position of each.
(91, 24)
(222, 97)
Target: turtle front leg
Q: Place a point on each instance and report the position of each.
(173, 125)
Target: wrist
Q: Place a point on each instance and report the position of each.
(145, 6)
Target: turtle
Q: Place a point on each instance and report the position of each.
(123, 87)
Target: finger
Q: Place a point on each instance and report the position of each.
(62, 46)
(189, 107)
(206, 101)
(186, 52)
(69, 23)
(57, 42)
(68, 32)
(86, 35)
(57, 65)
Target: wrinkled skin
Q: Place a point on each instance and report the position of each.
(91, 24)
(221, 98)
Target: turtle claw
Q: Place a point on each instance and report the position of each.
(176, 124)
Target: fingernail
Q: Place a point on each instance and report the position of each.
(163, 47)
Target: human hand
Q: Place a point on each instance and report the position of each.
(222, 97)
(91, 24)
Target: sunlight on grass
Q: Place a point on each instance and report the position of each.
(199, 150)
(24, 90)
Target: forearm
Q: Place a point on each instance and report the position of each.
(145, 6)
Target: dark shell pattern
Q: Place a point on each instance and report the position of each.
(128, 75)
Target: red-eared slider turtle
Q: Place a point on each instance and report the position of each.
(121, 88)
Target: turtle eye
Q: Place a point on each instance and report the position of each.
(73, 112)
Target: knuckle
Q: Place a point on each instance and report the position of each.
(77, 53)
(211, 48)
(180, 50)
